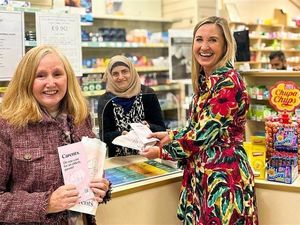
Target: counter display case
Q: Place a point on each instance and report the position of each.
(154, 201)
(149, 201)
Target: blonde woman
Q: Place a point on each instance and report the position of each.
(43, 108)
(218, 183)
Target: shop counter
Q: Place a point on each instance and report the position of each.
(278, 203)
(154, 201)
(148, 202)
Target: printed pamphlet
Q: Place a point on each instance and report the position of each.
(74, 166)
(95, 151)
(136, 138)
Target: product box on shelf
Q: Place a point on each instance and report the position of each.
(283, 169)
(256, 152)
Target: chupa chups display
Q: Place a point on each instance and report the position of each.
(282, 137)
(282, 133)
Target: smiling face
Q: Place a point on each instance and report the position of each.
(208, 46)
(50, 83)
(121, 76)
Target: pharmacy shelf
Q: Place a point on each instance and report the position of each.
(138, 68)
(167, 87)
(111, 45)
(131, 18)
(123, 45)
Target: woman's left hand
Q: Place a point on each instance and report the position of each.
(151, 152)
(146, 123)
(99, 186)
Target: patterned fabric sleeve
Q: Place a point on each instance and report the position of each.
(213, 113)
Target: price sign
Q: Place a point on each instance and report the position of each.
(62, 31)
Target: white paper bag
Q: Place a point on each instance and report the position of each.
(95, 153)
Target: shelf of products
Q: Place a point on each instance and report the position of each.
(267, 38)
(147, 49)
(111, 35)
(139, 69)
(258, 84)
(169, 96)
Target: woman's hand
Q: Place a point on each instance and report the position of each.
(151, 152)
(144, 122)
(124, 132)
(162, 136)
(99, 186)
(63, 198)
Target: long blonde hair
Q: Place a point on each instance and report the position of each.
(229, 52)
(19, 105)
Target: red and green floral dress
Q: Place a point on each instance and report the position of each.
(218, 183)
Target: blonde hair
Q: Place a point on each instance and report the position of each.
(229, 52)
(19, 105)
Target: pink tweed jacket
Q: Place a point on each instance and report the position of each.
(30, 170)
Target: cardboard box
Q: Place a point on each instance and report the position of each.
(257, 157)
(282, 174)
(280, 17)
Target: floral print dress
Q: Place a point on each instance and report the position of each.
(218, 183)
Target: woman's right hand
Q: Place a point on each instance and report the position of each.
(162, 136)
(63, 198)
(153, 152)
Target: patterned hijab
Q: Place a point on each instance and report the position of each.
(134, 87)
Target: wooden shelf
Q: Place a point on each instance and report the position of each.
(288, 38)
(130, 18)
(123, 45)
(158, 88)
(111, 44)
(138, 68)
(271, 73)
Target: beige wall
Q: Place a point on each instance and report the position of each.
(134, 8)
(187, 13)
(40, 3)
(207, 8)
(184, 13)
(251, 10)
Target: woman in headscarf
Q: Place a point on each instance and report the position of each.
(126, 101)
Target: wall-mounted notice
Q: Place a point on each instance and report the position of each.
(180, 53)
(62, 31)
(11, 42)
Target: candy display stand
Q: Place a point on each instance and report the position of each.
(282, 133)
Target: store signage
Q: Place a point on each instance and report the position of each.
(12, 45)
(62, 31)
(285, 96)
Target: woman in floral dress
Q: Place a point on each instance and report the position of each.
(218, 183)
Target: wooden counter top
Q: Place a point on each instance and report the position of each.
(294, 187)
